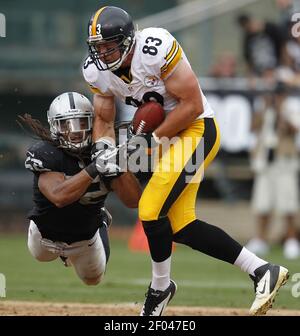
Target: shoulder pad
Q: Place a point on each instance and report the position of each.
(159, 51)
(42, 157)
(97, 80)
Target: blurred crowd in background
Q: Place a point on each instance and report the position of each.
(248, 62)
(271, 54)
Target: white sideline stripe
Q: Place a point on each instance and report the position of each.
(145, 283)
(197, 284)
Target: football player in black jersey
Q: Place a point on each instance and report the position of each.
(69, 219)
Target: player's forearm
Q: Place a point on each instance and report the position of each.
(128, 189)
(179, 119)
(104, 111)
(71, 189)
(102, 129)
(184, 86)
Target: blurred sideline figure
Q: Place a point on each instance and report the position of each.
(69, 219)
(262, 44)
(275, 163)
(225, 66)
(151, 65)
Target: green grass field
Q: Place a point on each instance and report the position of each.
(202, 281)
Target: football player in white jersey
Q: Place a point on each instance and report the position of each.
(141, 66)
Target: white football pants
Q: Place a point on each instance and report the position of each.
(87, 256)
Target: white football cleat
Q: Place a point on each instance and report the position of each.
(267, 281)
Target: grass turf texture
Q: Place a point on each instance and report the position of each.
(201, 280)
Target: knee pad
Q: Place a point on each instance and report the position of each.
(159, 235)
(157, 226)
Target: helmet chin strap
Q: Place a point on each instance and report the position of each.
(115, 65)
(68, 144)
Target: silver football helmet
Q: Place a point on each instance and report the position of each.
(70, 117)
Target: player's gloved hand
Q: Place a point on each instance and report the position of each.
(99, 146)
(107, 166)
(105, 156)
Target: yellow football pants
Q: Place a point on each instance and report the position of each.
(172, 189)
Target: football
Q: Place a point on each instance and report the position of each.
(148, 117)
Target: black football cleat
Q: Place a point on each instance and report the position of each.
(156, 300)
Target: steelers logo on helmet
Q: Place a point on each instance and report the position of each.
(111, 36)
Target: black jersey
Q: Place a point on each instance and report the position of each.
(77, 221)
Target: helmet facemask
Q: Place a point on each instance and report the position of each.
(124, 46)
(74, 131)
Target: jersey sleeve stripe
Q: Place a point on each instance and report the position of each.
(172, 63)
(170, 54)
(171, 51)
(94, 24)
(170, 57)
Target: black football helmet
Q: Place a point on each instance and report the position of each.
(110, 24)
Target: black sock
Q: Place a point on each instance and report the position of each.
(210, 240)
(160, 236)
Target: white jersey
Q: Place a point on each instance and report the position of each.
(156, 55)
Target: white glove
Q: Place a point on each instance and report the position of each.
(106, 156)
